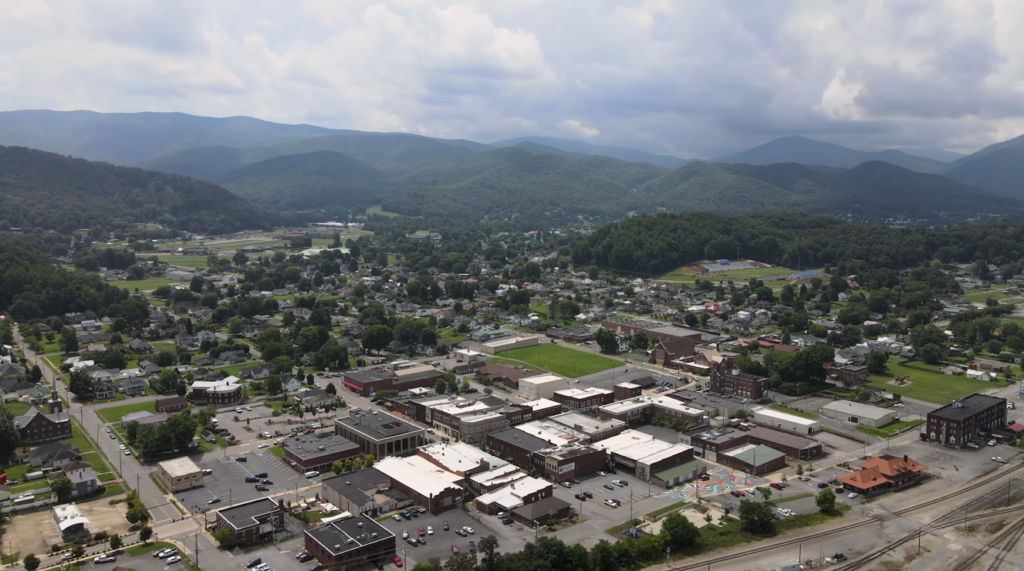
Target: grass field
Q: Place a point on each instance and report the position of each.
(146, 285)
(559, 360)
(889, 429)
(927, 385)
(377, 210)
(114, 413)
(184, 261)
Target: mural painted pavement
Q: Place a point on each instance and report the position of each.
(721, 480)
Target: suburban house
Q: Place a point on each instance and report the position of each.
(133, 386)
(140, 346)
(83, 478)
(53, 454)
(256, 373)
(102, 389)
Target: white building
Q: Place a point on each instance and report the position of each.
(786, 422)
(542, 386)
(858, 413)
(180, 474)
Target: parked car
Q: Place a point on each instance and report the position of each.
(251, 479)
(804, 479)
(430, 530)
(567, 484)
(241, 459)
(253, 562)
(261, 475)
(972, 445)
(461, 532)
(608, 487)
(397, 561)
(105, 559)
(507, 521)
(455, 549)
(262, 488)
(992, 442)
(601, 474)
(588, 494)
(737, 493)
(852, 495)
(304, 556)
(173, 559)
(268, 482)
(412, 542)
(619, 483)
(422, 533)
(776, 485)
(468, 530)
(611, 503)
(998, 459)
(822, 484)
(405, 534)
(472, 547)
(396, 517)
(444, 525)
(580, 497)
(213, 501)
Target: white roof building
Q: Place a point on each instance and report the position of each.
(418, 474)
(541, 386)
(460, 458)
(511, 497)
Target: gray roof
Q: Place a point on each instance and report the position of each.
(377, 425)
(307, 447)
(365, 479)
(521, 439)
(360, 530)
(541, 508)
(53, 451)
(967, 406)
(241, 516)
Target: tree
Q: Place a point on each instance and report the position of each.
(741, 414)
(377, 338)
(240, 258)
(77, 549)
(338, 466)
(826, 500)
(131, 430)
(62, 487)
(756, 517)
(766, 492)
(876, 361)
(163, 359)
(37, 374)
(80, 384)
(137, 514)
(10, 438)
(331, 389)
(441, 386)
(31, 562)
(602, 557)
(235, 326)
(931, 354)
(607, 341)
(204, 414)
(799, 470)
(464, 386)
(146, 532)
(135, 272)
(678, 533)
(368, 460)
(68, 341)
(488, 549)
(274, 386)
(116, 542)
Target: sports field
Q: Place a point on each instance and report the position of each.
(929, 386)
(560, 360)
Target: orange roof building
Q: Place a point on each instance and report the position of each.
(883, 472)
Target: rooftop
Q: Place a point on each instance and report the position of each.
(716, 435)
(418, 474)
(541, 404)
(586, 424)
(622, 406)
(520, 439)
(368, 375)
(179, 467)
(551, 432)
(967, 406)
(349, 534)
(377, 425)
(543, 379)
(783, 416)
(541, 508)
(308, 447)
(582, 393)
(365, 479)
(632, 444)
(504, 475)
(858, 409)
(241, 516)
(749, 453)
(510, 496)
(460, 457)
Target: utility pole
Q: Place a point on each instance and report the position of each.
(196, 538)
(920, 532)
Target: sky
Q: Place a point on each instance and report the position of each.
(690, 78)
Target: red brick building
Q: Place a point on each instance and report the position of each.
(853, 373)
(253, 521)
(38, 426)
(581, 400)
(726, 381)
(171, 404)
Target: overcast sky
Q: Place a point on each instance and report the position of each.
(691, 78)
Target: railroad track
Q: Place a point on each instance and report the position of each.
(944, 521)
(1000, 556)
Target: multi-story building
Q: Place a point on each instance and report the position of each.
(595, 429)
(309, 452)
(516, 446)
(963, 420)
(179, 474)
(223, 392)
(38, 426)
(567, 462)
(379, 433)
(253, 521)
(727, 381)
(541, 386)
(428, 485)
(350, 543)
(583, 400)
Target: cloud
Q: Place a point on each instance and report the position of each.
(574, 128)
(698, 78)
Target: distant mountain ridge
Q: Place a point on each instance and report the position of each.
(797, 149)
(582, 148)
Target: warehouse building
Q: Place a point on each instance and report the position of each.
(350, 543)
(366, 491)
(429, 486)
(541, 386)
(180, 474)
(859, 413)
(520, 493)
(460, 458)
(643, 454)
(508, 343)
(753, 459)
(785, 421)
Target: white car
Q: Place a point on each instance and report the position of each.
(804, 479)
(405, 535)
(972, 445)
(601, 474)
(611, 503)
(992, 442)
(122, 447)
(173, 559)
(248, 408)
(998, 459)
(127, 452)
(468, 530)
(167, 553)
(238, 410)
(263, 445)
(852, 495)
(898, 405)
(752, 491)
(430, 530)
(105, 559)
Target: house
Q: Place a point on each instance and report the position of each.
(140, 346)
(53, 454)
(83, 478)
(171, 404)
(133, 386)
(257, 372)
(11, 371)
(102, 388)
(291, 385)
(313, 397)
(147, 368)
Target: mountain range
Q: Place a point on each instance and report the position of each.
(530, 179)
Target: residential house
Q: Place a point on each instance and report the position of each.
(83, 478)
(291, 385)
(53, 454)
(11, 371)
(140, 346)
(102, 388)
(257, 372)
(313, 397)
(133, 386)
(147, 368)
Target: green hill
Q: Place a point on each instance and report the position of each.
(590, 149)
(307, 180)
(130, 138)
(806, 151)
(1000, 172)
(40, 190)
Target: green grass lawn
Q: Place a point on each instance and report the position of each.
(559, 359)
(149, 284)
(184, 261)
(277, 451)
(790, 498)
(889, 429)
(114, 413)
(147, 548)
(928, 386)
(233, 369)
(78, 438)
(377, 210)
(18, 408)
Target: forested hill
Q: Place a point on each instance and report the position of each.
(45, 191)
(319, 179)
(655, 244)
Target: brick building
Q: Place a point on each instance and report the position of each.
(427, 485)
(223, 392)
(583, 400)
(350, 543)
(253, 521)
(855, 373)
(38, 426)
(379, 433)
(568, 462)
(520, 493)
(171, 404)
(726, 381)
(308, 452)
(963, 420)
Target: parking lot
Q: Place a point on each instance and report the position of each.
(259, 420)
(142, 562)
(439, 544)
(227, 479)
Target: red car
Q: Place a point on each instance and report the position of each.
(775, 485)
(268, 482)
(738, 493)
(454, 548)
(422, 533)
(397, 561)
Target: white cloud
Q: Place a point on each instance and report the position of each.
(577, 129)
(704, 78)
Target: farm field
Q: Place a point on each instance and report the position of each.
(928, 386)
(559, 359)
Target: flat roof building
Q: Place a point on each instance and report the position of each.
(317, 451)
(364, 491)
(595, 429)
(520, 493)
(785, 421)
(428, 485)
(350, 543)
(582, 400)
(379, 433)
(963, 420)
(753, 458)
(180, 474)
(858, 413)
(541, 386)
(642, 453)
(515, 446)
(253, 521)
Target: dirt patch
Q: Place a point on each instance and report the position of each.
(35, 532)
(994, 527)
(900, 382)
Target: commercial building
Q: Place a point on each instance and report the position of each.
(709, 443)
(792, 445)
(308, 452)
(519, 493)
(428, 485)
(595, 429)
(642, 409)
(366, 491)
(366, 382)
(379, 433)
(460, 458)
(70, 521)
(583, 400)
(882, 473)
(508, 343)
(253, 521)
(785, 421)
(541, 512)
(623, 391)
(551, 432)
(180, 474)
(414, 377)
(661, 331)
(728, 381)
(541, 386)
(753, 458)
(516, 446)
(643, 454)
(853, 373)
(858, 413)
(568, 462)
(223, 392)
(963, 420)
(508, 376)
(171, 404)
(536, 410)
(633, 411)
(465, 419)
(485, 335)
(350, 543)
(498, 478)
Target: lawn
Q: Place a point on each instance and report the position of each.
(560, 360)
(889, 429)
(183, 261)
(145, 285)
(78, 438)
(114, 413)
(928, 386)
(147, 548)
(277, 451)
(18, 408)
(790, 498)
(377, 210)
(233, 369)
